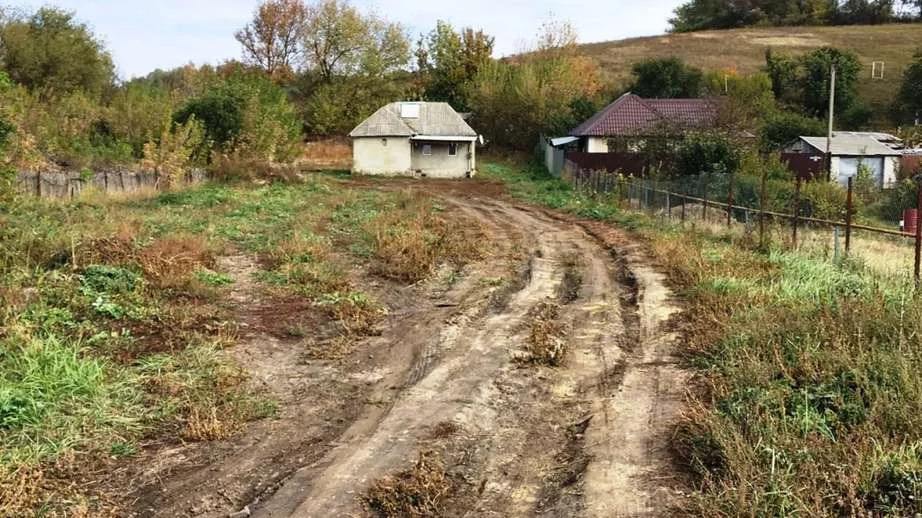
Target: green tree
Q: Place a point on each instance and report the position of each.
(708, 154)
(516, 102)
(354, 63)
(338, 40)
(803, 82)
(271, 39)
(247, 114)
(449, 60)
(816, 77)
(666, 78)
(696, 15)
(52, 52)
(782, 128)
(907, 106)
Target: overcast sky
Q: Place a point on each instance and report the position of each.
(145, 35)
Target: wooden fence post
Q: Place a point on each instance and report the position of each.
(848, 216)
(796, 212)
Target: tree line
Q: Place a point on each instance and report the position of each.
(697, 15)
(316, 68)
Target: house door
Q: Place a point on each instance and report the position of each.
(848, 166)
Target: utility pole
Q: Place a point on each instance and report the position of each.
(832, 102)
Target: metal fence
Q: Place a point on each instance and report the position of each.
(704, 198)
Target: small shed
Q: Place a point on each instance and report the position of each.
(414, 139)
(849, 151)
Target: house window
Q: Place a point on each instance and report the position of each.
(452, 148)
(384, 142)
(427, 149)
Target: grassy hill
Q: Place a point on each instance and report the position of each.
(744, 49)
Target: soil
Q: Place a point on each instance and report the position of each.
(590, 437)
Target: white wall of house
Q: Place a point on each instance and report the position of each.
(883, 169)
(439, 163)
(597, 144)
(891, 166)
(381, 156)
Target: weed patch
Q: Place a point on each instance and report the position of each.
(408, 243)
(417, 492)
(546, 343)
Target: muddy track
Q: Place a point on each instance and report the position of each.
(587, 438)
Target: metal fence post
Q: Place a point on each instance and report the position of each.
(762, 211)
(646, 194)
(668, 207)
(848, 217)
(704, 197)
(730, 201)
(796, 212)
(684, 203)
(918, 232)
(835, 243)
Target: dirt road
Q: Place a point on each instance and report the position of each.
(587, 438)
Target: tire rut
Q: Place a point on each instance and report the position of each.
(588, 438)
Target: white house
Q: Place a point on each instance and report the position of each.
(849, 150)
(414, 139)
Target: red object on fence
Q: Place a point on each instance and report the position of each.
(910, 220)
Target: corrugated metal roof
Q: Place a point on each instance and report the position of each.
(851, 145)
(435, 119)
(631, 115)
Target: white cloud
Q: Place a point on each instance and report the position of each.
(167, 33)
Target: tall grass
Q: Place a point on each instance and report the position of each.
(55, 397)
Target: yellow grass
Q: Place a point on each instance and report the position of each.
(887, 255)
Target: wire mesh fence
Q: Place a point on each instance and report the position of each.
(759, 210)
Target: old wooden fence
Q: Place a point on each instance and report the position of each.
(67, 185)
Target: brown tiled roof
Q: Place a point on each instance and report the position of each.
(631, 115)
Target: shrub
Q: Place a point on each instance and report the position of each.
(245, 114)
(824, 200)
(782, 128)
(891, 202)
(708, 154)
(172, 156)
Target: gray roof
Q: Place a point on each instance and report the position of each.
(435, 119)
(851, 145)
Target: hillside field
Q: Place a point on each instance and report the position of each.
(744, 50)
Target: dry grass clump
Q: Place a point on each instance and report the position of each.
(416, 492)
(21, 490)
(168, 263)
(203, 424)
(239, 167)
(44, 490)
(546, 343)
(412, 240)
